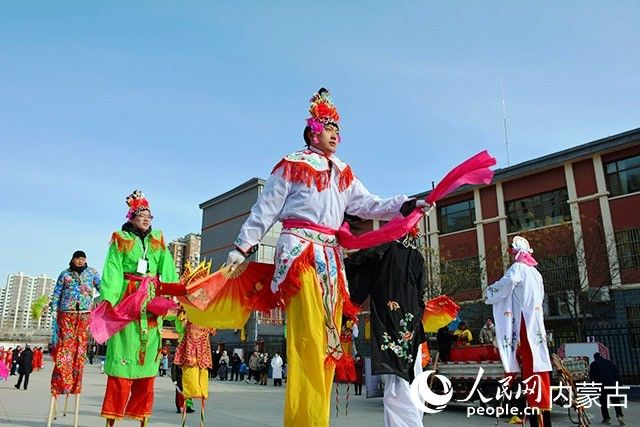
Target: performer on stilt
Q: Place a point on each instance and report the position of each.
(392, 275)
(193, 355)
(309, 191)
(138, 270)
(517, 300)
(71, 305)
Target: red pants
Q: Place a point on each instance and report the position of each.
(128, 398)
(526, 365)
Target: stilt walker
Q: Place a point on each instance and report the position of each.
(138, 271)
(309, 191)
(193, 355)
(71, 305)
(517, 300)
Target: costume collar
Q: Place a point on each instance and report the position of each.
(332, 157)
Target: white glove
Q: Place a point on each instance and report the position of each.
(423, 204)
(234, 259)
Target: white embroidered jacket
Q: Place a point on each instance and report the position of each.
(307, 185)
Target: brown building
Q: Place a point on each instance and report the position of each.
(185, 249)
(578, 208)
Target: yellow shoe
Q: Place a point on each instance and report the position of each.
(515, 420)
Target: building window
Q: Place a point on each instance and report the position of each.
(460, 274)
(538, 211)
(456, 217)
(562, 281)
(266, 254)
(623, 176)
(628, 245)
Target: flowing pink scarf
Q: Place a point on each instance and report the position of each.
(107, 320)
(474, 170)
(524, 257)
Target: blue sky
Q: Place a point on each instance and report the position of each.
(186, 100)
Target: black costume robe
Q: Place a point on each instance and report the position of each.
(393, 276)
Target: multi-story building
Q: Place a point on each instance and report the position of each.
(19, 293)
(185, 250)
(222, 218)
(578, 207)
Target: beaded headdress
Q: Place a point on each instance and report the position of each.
(322, 111)
(137, 203)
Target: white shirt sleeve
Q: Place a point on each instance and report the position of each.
(265, 212)
(504, 287)
(369, 206)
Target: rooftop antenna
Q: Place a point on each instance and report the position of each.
(504, 124)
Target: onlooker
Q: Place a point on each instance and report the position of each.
(359, 365)
(488, 333)
(243, 370)
(263, 367)
(26, 367)
(14, 360)
(463, 335)
(444, 339)
(253, 367)
(604, 372)
(223, 370)
(235, 367)
(276, 366)
(92, 354)
(164, 365)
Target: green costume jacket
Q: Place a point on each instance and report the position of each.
(140, 337)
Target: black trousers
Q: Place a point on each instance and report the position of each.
(26, 380)
(235, 373)
(358, 388)
(603, 405)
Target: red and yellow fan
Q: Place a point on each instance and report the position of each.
(226, 298)
(439, 312)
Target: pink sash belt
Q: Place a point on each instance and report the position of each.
(300, 223)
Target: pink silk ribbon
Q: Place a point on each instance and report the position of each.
(474, 171)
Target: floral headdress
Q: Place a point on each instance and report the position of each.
(137, 203)
(322, 111)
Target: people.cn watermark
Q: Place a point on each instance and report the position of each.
(585, 395)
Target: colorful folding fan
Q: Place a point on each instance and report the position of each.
(439, 312)
(226, 298)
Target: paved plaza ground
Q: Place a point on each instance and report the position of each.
(231, 404)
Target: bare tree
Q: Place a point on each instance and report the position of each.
(577, 269)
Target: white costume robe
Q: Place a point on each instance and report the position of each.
(399, 410)
(276, 366)
(520, 294)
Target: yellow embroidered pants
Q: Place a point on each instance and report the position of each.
(309, 380)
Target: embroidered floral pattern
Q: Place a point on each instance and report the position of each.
(74, 291)
(393, 305)
(69, 353)
(284, 257)
(401, 345)
(194, 349)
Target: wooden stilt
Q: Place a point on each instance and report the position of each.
(184, 413)
(51, 410)
(202, 413)
(66, 400)
(77, 411)
(55, 408)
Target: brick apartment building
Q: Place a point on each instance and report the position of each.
(580, 210)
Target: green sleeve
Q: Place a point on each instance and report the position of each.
(111, 287)
(167, 268)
